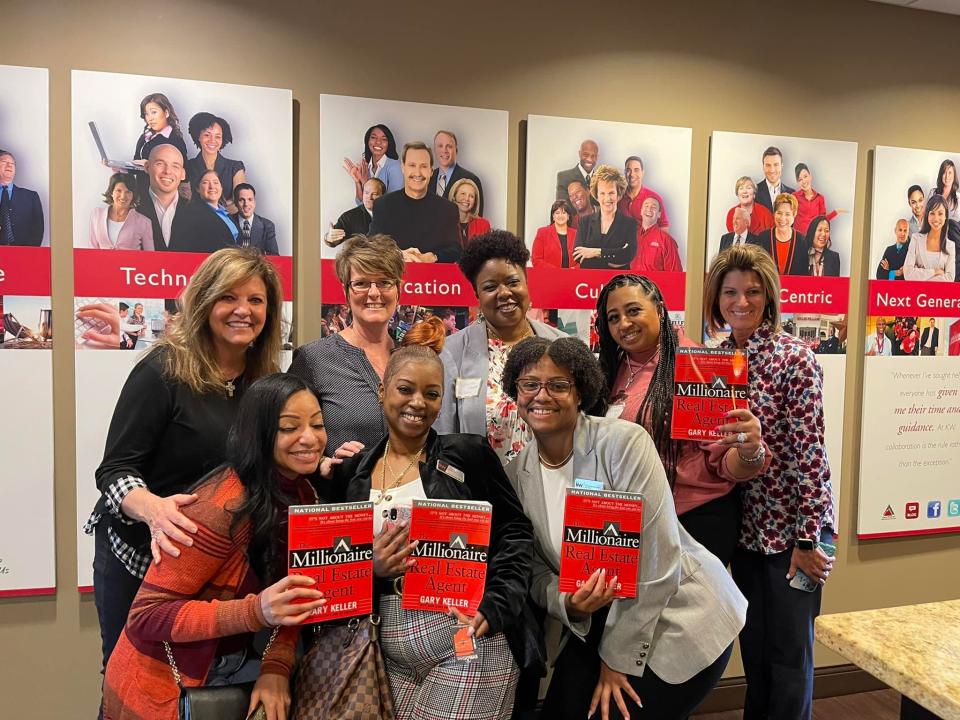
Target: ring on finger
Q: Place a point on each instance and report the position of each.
(741, 437)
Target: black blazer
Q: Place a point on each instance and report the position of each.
(727, 240)
(355, 221)
(145, 148)
(511, 534)
(565, 177)
(936, 337)
(763, 194)
(197, 228)
(831, 263)
(895, 258)
(619, 246)
(26, 216)
(459, 173)
(263, 234)
(799, 261)
(145, 208)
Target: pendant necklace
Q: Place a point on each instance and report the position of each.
(396, 483)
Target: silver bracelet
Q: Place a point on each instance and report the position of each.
(756, 459)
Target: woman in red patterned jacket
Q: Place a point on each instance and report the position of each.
(201, 608)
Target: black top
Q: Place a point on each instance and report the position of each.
(355, 221)
(564, 253)
(163, 433)
(618, 245)
(511, 533)
(197, 227)
(144, 148)
(895, 258)
(428, 224)
(224, 167)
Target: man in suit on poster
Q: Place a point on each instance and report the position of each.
(741, 234)
(771, 185)
(256, 231)
(581, 172)
(579, 197)
(165, 170)
(930, 338)
(21, 214)
(448, 170)
(891, 265)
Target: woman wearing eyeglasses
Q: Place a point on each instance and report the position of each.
(666, 648)
(346, 368)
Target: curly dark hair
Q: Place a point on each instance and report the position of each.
(202, 120)
(570, 354)
(492, 245)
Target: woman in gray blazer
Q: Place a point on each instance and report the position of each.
(473, 359)
(664, 649)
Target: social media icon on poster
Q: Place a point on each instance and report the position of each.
(933, 509)
(912, 511)
(953, 508)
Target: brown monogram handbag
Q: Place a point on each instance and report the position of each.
(342, 676)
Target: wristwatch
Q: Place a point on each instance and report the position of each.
(804, 544)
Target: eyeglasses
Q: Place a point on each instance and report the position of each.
(555, 388)
(362, 286)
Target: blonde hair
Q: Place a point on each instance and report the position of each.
(371, 254)
(743, 180)
(452, 194)
(608, 173)
(188, 341)
(744, 258)
(788, 199)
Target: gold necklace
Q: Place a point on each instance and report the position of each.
(492, 330)
(383, 472)
(634, 373)
(554, 466)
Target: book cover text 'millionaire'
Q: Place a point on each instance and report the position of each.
(333, 544)
(708, 383)
(453, 542)
(601, 531)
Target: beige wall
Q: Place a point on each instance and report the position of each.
(839, 69)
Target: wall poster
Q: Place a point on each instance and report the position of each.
(146, 212)
(810, 239)
(911, 375)
(647, 215)
(27, 547)
(363, 138)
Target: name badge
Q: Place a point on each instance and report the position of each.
(468, 387)
(615, 411)
(584, 484)
(448, 469)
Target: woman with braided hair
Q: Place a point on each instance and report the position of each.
(637, 353)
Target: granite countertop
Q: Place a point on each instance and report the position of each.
(914, 649)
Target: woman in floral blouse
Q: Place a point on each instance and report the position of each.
(788, 509)
(473, 359)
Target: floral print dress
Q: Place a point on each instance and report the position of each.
(506, 432)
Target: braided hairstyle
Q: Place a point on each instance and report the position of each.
(656, 410)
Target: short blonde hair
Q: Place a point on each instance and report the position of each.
(452, 194)
(745, 180)
(745, 258)
(608, 173)
(188, 342)
(788, 199)
(373, 254)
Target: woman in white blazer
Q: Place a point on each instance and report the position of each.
(668, 647)
(473, 399)
(931, 254)
(118, 226)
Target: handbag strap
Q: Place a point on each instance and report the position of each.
(176, 671)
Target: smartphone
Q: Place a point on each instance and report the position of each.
(801, 581)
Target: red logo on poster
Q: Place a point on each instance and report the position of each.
(912, 511)
(889, 514)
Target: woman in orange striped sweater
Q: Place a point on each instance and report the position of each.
(204, 605)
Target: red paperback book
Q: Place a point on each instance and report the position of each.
(333, 544)
(601, 531)
(451, 567)
(707, 384)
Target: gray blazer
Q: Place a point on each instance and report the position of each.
(465, 356)
(688, 609)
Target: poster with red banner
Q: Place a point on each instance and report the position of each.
(165, 171)
(603, 198)
(911, 374)
(27, 550)
(361, 148)
(794, 198)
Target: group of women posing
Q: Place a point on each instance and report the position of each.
(510, 412)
